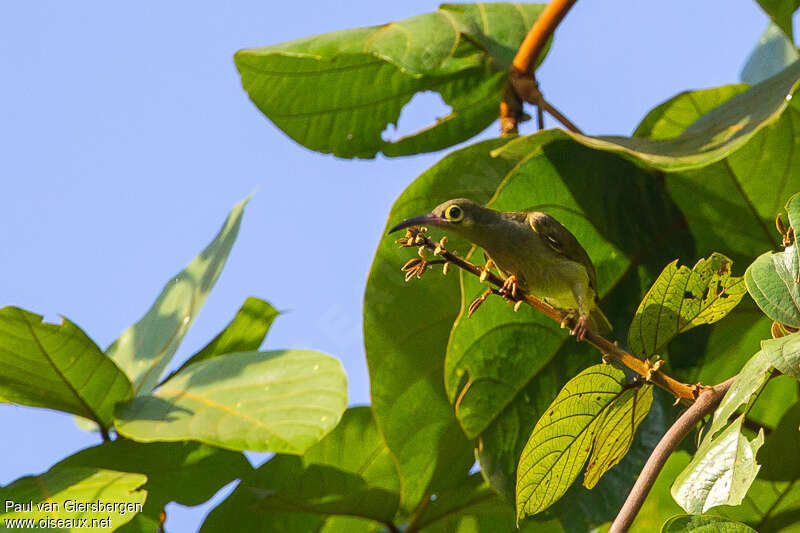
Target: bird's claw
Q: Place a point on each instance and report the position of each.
(476, 303)
(510, 287)
(578, 327)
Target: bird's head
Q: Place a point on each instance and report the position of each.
(461, 216)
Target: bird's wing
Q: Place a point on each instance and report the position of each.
(562, 242)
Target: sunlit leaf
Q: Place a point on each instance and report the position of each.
(349, 472)
(564, 437)
(749, 380)
(711, 138)
(49, 496)
(721, 471)
(336, 92)
(406, 327)
(683, 298)
(58, 367)
(245, 333)
(281, 401)
(144, 350)
(704, 524)
(616, 431)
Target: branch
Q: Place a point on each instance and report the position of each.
(522, 85)
(705, 404)
(416, 237)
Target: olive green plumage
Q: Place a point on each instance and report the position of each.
(547, 260)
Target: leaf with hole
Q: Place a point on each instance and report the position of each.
(57, 367)
(145, 349)
(336, 92)
(773, 280)
(281, 401)
(681, 299)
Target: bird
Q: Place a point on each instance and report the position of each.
(533, 251)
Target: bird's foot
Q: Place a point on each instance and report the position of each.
(510, 287)
(579, 326)
(476, 303)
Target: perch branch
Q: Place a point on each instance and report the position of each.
(606, 347)
(706, 403)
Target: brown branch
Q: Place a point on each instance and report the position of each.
(522, 81)
(606, 347)
(705, 404)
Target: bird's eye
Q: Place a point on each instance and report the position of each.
(454, 213)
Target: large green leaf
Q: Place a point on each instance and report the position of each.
(63, 497)
(770, 506)
(188, 473)
(779, 458)
(773, 279)
(406, 327)
(144, 350)
(681, 299)
(245, 333)
(780, 11)
(704, 524)
(712, 137)
(349, 472)
(564, 438)
(494, 354)
(784, 354)
(337, 92)
(721, 471)
(281, 401)
(750, 379)
(58, 367)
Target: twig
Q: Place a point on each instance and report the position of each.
(705, 404)
(522, 82)
(606, 347)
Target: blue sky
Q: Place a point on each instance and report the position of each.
(125, 138)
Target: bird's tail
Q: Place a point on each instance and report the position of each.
(598, 321)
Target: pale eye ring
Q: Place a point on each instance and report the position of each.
(454, 213)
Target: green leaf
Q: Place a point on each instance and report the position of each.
(750, 379)
(778, 456)
(245, 333)
(349, 472)
(784, 354)
(281, 401)
(704, 524)
(671, 118)
(682, 299)
(494, 354)
(57, 367)
(406, 327)
(144, 350)
(52, 496)
(780, 11)
(616, 431)
(721, 471)
(772, 279)
(188, 473)
(564, 437)
(711, 138)
(773, 53)
(461, 51)
(770, 506)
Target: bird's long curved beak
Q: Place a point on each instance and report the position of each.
(421, 220)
